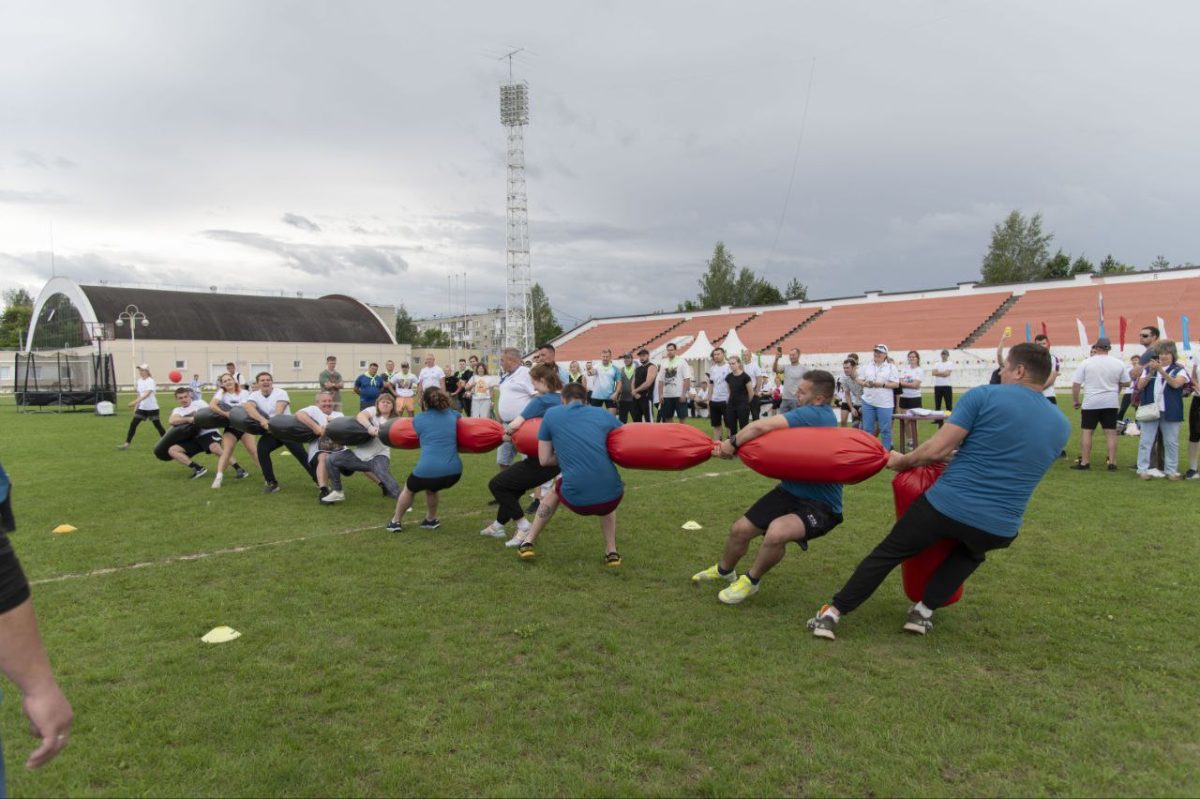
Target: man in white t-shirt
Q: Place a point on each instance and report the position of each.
(754, 372)
(878, 377)
(516, 389)
(674, 380)
(265, 401)
(404, 386)
(315, 417)
(602, 388)
(720, 393)
(943, 391)
(1101, 377)
(205, 440)
(430, 376)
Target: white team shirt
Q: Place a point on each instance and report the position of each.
(752, 370)
(672, 384)
(1128, 379)
(150, 403)
(872, 372)
(224, 397)
(431, 376)
(318, 416)
(374, 447)
(942, 366)
(1057, 366)
(1100, 376)
(266, 405)
(716, 379)
(404, 383)
(516, 389)
(185, 411)
(912, 373)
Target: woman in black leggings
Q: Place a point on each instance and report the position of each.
(145, 406)
(741, 389)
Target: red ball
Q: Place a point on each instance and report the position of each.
(176, 376)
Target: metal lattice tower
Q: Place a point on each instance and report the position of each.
(518, 317)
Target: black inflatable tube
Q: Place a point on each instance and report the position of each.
(348, 431)
(207, 418)
(177, 434)
(240, 420)
(287, 427)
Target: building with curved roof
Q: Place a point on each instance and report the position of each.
(199, 332)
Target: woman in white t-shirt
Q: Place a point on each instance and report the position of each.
(229, 395)
(373, 458)
(145, 406)
(480, 388)
(911, 377)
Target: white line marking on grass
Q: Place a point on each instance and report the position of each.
(59, 578)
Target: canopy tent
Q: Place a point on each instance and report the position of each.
(732, 344)
(701, 349)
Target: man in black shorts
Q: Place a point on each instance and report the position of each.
(1102, 378)
(719, 398)
(207, 440)
(791, 511)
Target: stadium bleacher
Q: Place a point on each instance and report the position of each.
(770, 326)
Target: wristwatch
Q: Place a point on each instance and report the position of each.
(733, 442)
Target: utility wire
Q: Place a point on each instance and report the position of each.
(796, 160)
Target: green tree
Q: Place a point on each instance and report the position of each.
(1019, 250)
(545, 326)
(1082, 265)
(432, 337)
(14, 322)
(406, 331)
(718, 284)
(1058, 266)
(1159, 263)
(1111, 266)
(795, 290)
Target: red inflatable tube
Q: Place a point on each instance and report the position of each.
(479, 435)
(815, 455)
(643, 445)
(525, 439)
(399, 434)
(916, 571)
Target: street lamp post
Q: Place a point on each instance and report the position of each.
(134, 317)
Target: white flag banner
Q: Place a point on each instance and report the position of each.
(1083, 342)
(1162, 329)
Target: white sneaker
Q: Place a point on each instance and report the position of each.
(332, 497)
(217, 480)
(515, 541)
(494, 530)
(1156, 473)
(523, 526)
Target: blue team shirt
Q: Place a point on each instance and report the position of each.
(538, 406)
(1013, 436)
(438, 432)
(580, 436)
(614, 375)
(368, 388)
(829, 493)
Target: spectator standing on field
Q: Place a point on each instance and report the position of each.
(624, 393)
(850, 388)
(754, 372)
(331, 380)
(1148, 337)
(431, 376)
(605, 384)
(1100, 377)
(793, 373)
(1127, 393)
(1160, 390)
(644, 377)
(674, 382)
(741, 394)
(404, 386)
(720, 392)
(943, 390)
(479, 389)
(368, 386)
(516, 390)
(1193, 473)
(879, 378)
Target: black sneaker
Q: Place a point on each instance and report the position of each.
(533, 506)
(1112, 467)
(241, 474)
(1191, 474)
(493, 503)
(430, 524)
(394, 526)
(271, 488)
(1081, 467)
(916, 623)
(198, 473)
(383, 490)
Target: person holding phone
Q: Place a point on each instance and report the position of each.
(792, 372)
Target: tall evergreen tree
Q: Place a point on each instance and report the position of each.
(1019, 250)
(406, 330)
(545, 326)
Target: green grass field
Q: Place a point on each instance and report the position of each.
(437, 663)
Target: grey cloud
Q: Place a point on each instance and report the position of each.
(319, 259)
(301, 222)
(30, 158)
(31, 197)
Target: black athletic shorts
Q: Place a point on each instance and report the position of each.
(910, 402)
(200, 444)
(602, 403)
(152, 414)
(416, 484)
(237, 434)
(818, 517)
(1194, 421)
(716, 413)
(1105, 417)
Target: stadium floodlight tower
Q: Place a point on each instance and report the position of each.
(518, 313)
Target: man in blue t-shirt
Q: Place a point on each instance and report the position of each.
(575, 436)
(1006, 437)
(791, 511)
(368, 385)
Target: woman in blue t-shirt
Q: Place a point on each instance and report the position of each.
(1161, 390)
(438, 466)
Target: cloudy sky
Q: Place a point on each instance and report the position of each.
(356, 146)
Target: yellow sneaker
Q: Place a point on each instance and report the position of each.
(526, 552)
(738, 591)
(712, 574)
(612, 560)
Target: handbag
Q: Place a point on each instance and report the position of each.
(1147, 413)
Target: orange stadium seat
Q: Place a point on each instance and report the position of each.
(770, 326)
(713, 325)
(617, 336)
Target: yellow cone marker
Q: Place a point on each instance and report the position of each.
(64, 528)
(690, 525)
(220, 635)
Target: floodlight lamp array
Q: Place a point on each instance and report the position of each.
(514, 103)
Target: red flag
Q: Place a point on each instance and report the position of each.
(1044, 331)
(1124, 326)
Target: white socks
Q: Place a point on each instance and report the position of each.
(523, 525)
(925, 612)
